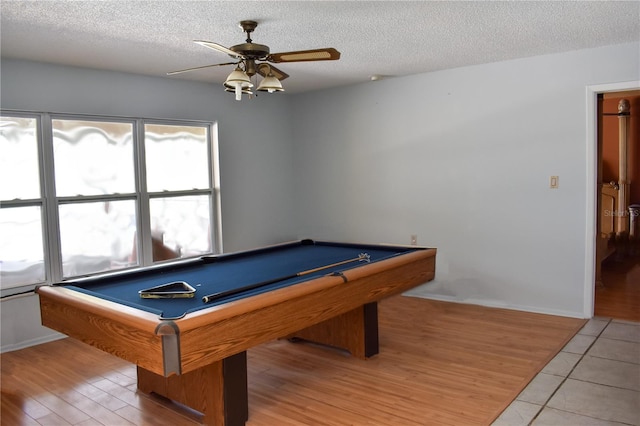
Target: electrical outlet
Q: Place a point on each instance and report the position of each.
(414, 240)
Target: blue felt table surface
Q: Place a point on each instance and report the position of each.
(229, 272)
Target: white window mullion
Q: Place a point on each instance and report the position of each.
(216, 209)
(53, 251)
(145, 247)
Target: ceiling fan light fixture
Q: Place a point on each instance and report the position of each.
(270, 84)
(246, 56)
(238, 81)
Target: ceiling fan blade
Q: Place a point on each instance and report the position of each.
(219, 48)
(327, 54)
(199, 68)
(277, 73)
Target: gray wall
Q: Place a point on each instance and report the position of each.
(461, 157)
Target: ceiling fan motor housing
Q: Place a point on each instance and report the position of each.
(251, 50)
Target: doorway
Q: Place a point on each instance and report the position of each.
(616, 287)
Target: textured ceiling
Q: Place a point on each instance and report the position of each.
(386, 38)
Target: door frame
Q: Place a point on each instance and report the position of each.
(592, 185)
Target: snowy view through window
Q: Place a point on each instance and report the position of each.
(99, 200)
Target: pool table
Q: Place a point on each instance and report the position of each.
(193, 349)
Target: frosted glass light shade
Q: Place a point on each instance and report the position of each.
(270, 84)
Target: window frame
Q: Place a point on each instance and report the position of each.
(49, 201)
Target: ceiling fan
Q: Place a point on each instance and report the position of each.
(247, 56)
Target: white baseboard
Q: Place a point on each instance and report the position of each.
(494, 304)
(32, 342)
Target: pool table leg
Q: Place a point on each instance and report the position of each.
(355, 331)
(218, 390)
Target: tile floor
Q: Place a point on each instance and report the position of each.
(594, 380)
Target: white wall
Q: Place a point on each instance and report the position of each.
(462, 158)
(254, 139)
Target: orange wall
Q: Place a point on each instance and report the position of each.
(610, 144)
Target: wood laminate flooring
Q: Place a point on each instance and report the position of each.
(440, 363)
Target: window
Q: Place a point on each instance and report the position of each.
(84, 195)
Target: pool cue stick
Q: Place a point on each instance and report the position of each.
(362, 257)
